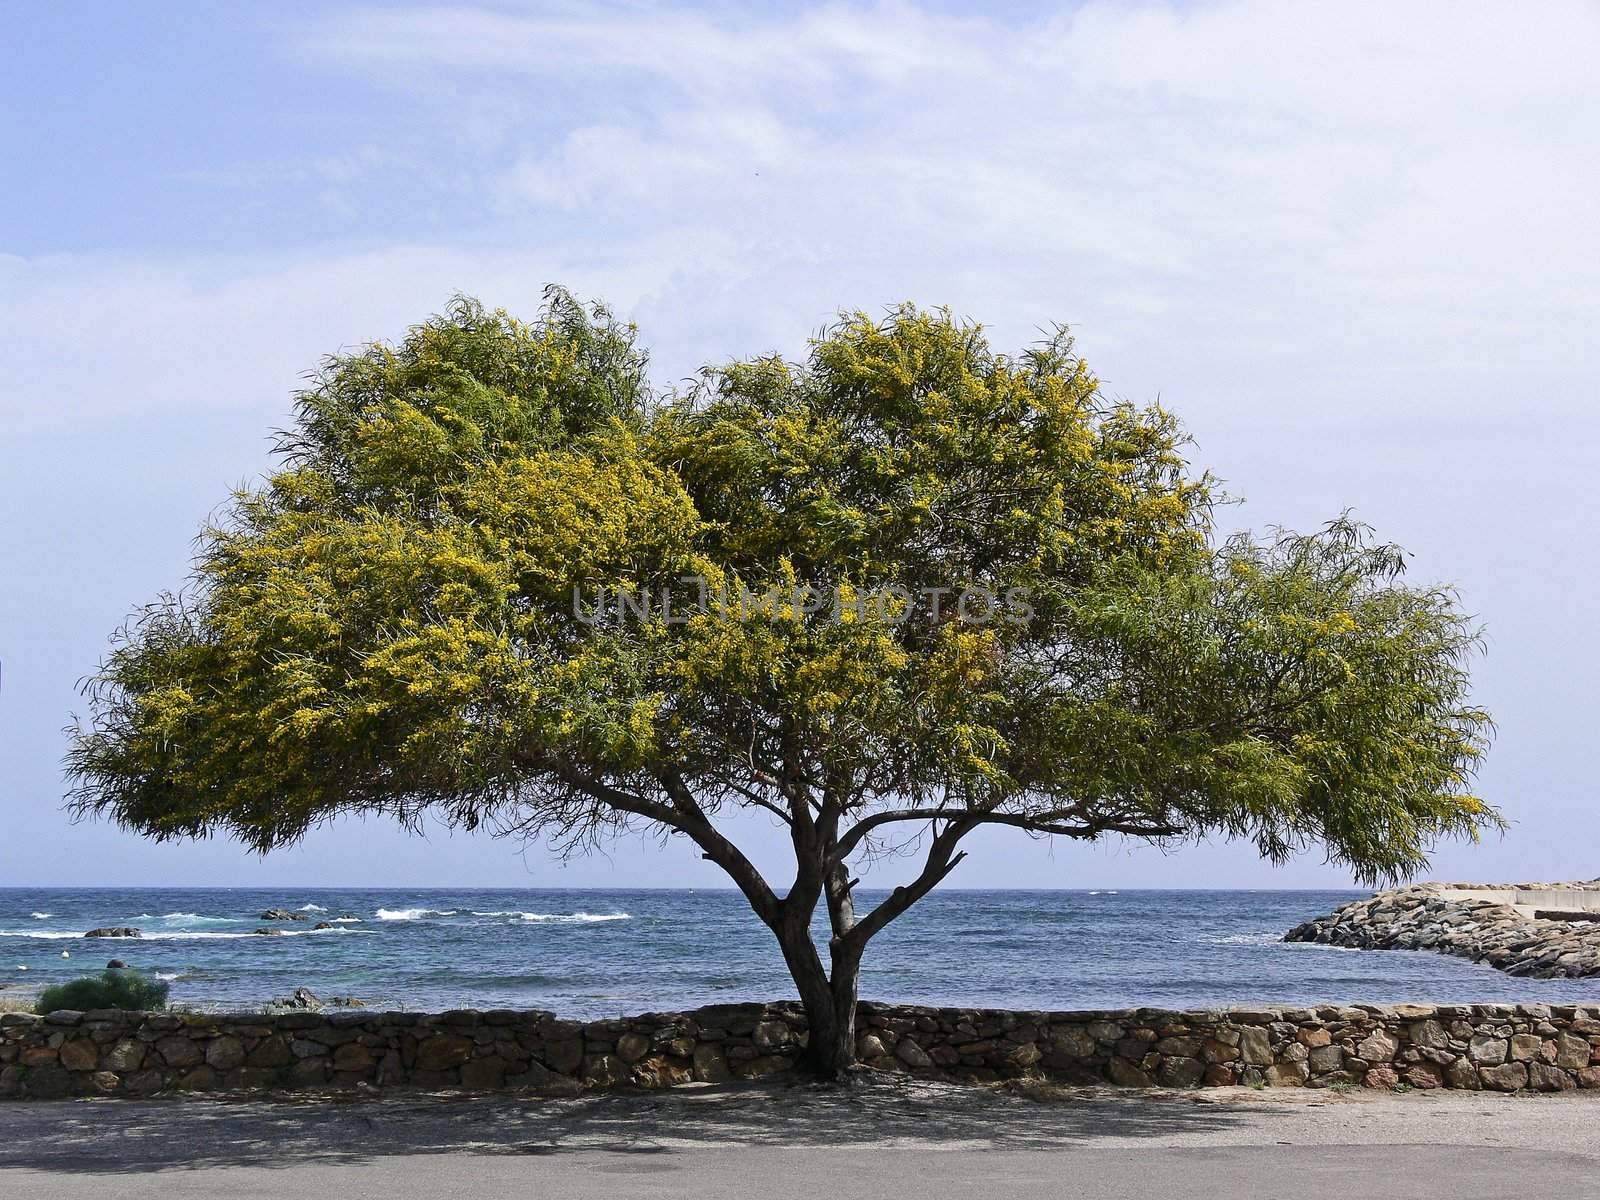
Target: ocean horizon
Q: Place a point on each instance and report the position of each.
(593, 953)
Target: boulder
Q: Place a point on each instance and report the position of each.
(225, 1053)
(1506, 1078)
(604, 1070)
(1287, 1074)
(1525, 1047)
(1326, 1058)
(631, 1047)
(1180, 1072)
(709, 1064)
(353, 1056)
(281, 914)
(442, 1052)
(1572, 1052)
(125, 1055)
(870, 1045)
(1255, 1047)
(116, 964)
(770, 1035)
(913, 1055)
(1125, 1073)
(1487, 1051)
(115, 931)
(80, 1054)
(177, 1051)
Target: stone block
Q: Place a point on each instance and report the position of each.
(79, 1054)
(1505, 1078)
(710, 1066)
(225, 1053)
(443, 1052)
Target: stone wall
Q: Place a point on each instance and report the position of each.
(1477, 921)
(1500, 1047)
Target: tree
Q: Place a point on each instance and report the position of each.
(899, 592)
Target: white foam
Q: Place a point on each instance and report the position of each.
(312, 908)
(168, 935)
(567, 918)
(188, 918)
(578, 918)
(41, 934)
(1243, 939)
(412, 914)
(42, 916)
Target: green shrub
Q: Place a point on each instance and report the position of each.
(111, 989)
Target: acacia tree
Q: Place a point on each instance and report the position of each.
(448, 602)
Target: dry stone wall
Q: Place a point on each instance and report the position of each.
(1499, 1047)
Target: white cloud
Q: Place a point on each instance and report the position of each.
(1407, 183)
(1251, 189)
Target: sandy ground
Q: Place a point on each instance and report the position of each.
(885, 1138)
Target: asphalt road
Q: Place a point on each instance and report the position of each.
(892, 1138)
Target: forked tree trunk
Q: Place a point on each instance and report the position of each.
(830, 1004)
(835, 1053)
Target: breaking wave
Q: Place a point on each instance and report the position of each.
(1243, 939)
(577, 918)
(188, 918)
(163, 935)
(412, 914)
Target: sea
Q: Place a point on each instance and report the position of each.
(591, 954)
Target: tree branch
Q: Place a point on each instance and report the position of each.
(693, 821)
(942, 859)
(1058, 822)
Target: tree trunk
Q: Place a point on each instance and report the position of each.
(830, 1004)
(835, 1054)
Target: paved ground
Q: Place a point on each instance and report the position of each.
(889, 1138)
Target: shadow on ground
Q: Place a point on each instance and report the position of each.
(114, 1136)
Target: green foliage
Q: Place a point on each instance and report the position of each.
(125, 989)
(387, 625)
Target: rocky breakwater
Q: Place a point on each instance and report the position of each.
(1502, 925)
(1499, 1047)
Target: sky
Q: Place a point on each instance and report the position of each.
(1352, 245)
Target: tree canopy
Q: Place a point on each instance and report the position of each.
(904, 589)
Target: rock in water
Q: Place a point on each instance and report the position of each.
(110, 931)
(282, 914)
(1470, 921)
(303, 999)
(116, 964)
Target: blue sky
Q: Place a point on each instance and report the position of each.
(1351, 245)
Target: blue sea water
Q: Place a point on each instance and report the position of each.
(590, 954)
